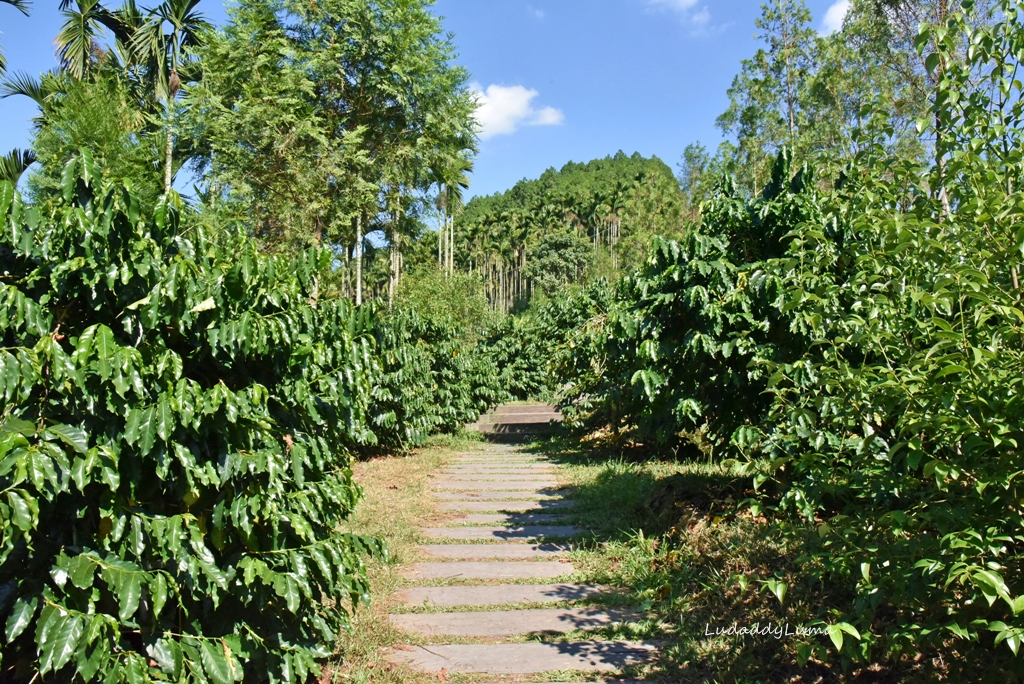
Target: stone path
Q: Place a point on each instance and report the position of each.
(499, 574)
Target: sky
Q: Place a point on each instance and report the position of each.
(557, 80)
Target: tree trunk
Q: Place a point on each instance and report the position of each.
(359, 259)
(169, 148)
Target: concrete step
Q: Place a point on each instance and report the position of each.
(495, 551)
(511, 659)
(510, 518)
(497, 595)
(519, 418)
(497, 470)
(502, 533)
(487, 485)
(511, 506)
(512, 429)
(506, 623)
(489, 570)
(513, 409)
(517, 457)
(546, 492)
(518, 478)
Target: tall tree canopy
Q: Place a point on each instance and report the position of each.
(322, 120)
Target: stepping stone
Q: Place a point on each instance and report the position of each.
(501, 533)
(499, 477)
(500, 470)
(497, 595)
(496, 570)
(495, 486)
(512, 506)
(502, 551)
(594, 656)
(486, 496)
(504, 623)
(510, 518)
(498, 551)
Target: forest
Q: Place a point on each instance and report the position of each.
(825, 311)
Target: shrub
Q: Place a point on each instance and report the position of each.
(432, 379)
(177, 417)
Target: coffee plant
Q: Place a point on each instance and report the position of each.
(177, 417)
(431, 379)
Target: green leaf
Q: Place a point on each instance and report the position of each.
(69, 178)
(21, 616)
(165, 421)
(205, 305)
(128, 592)
(105, 348)
(836, 635)
(76, 438)
(216, 665)
(57, 651)
(167, 653)
(24, 510)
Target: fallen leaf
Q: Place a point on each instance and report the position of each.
(405, 648)
(442, 676)
(392, 486)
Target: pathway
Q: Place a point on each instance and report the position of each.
(500, 568)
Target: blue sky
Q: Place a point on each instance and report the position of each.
(559, 80)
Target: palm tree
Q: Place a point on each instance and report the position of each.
(450, 174)
(164, 54)
(20, 5)
(76, 42)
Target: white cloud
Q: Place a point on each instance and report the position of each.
(503, 109)
(549, 116)
(537, 13)
(834, 16)
(699, 20)
(678, 5)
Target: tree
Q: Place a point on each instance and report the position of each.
(358, 99)
(384, 68)
(767, 99)
(558, 259)
(170, 30)
(77, 47)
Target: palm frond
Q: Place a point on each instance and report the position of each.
(77, 37)
(14, 163)
(22, 83)
(22, 5)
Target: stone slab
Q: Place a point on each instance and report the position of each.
(486, 496)
(505, 623)
(510, 518)
(499, 470)
(501, 533)
(496, 551)
(511, 506)
(497, 595)
(502, 659)
(496, 477)
(491, 570)
(502, 463)
(511, 485)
